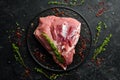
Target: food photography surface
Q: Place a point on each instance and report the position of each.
(59, 40)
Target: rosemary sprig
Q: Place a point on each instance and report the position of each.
(42, 72)
(70, 3)
(54, 48)
(52, 77)
(17, 54)
(101, 48)
(99, 28)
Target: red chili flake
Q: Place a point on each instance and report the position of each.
(18, 34)
(100, 11)
(39, 56)
(58, 12)
(82, 48)
(66, 0)
(81, 55)
(28, 35)
(83, 43)
(98, 61)
(19, 43)
(27, 72)
(101, 3)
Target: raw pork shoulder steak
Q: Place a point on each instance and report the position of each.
(59, 35)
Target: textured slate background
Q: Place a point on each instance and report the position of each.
(23, 11)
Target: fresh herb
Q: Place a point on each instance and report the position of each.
(99, 28)
(104, 24)
(42, 72)
(82, 2)
(101, 48)
(17, 55)
(54, 48)
(52, 77)
(57, 3)
(70, 3)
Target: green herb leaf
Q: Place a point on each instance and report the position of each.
(17, 55)
(70, 3)
(101, 48)
(41, 71)
(52, 77)
(82, 2)
(99, 28)
(54, 48)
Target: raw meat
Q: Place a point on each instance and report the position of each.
(63, 33)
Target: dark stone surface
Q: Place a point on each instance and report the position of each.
(23, 11)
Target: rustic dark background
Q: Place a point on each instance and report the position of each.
(23, 11)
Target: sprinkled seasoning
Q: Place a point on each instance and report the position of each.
(82, 48)
(39, 56)
(101, 48)
(100, 12)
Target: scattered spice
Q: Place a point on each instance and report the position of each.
(98, 61)
(82, 48)
(101, 3)
(17, 55)
(39, 56)
(101, 48)
(27, 73)
(58, 12)
(100, 12)
(100, 8)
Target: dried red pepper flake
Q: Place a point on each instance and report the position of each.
(66, 0)
(82, 56)
(19, 43)
(39, 56)
(18, 34)
(100, 12)
(102, 3)
(98, 61)
(27, 72)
